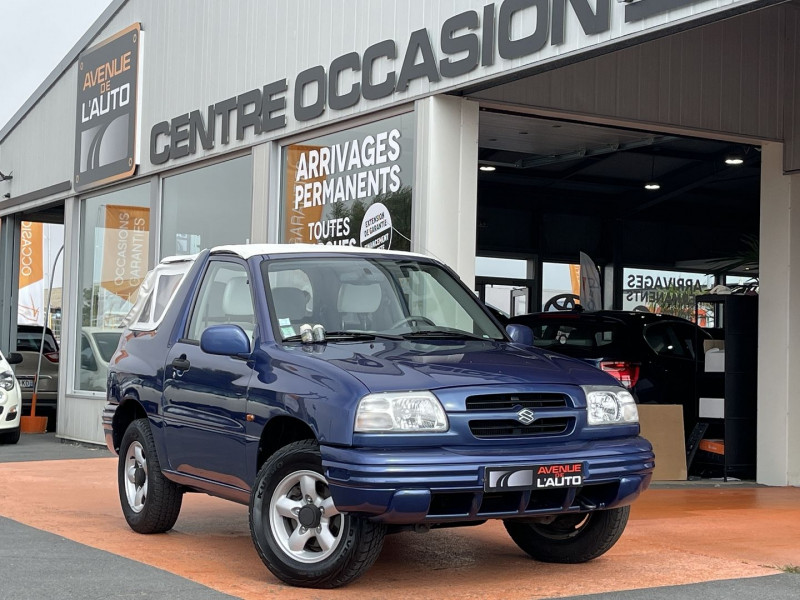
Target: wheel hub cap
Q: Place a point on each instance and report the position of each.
(309, 516)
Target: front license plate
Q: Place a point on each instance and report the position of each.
(25, 383)
(534, 477)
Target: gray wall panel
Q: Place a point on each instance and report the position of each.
(199, 52)
(791, 155)
(724, 77)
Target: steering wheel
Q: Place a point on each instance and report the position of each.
(412, 320)
(561, 302)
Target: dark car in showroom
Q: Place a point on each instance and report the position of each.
(654, 355)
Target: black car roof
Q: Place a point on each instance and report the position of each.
(32, 328)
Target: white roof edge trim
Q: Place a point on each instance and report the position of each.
(62, 66)
(248, 250)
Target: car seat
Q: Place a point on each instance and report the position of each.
(357, 303)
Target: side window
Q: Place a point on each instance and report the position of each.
(224, 297)
(664, 340)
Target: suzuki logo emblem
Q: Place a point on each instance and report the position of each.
(526, 416)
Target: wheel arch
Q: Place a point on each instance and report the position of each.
(278, 432)
(126, 413)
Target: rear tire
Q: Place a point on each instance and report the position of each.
(298, 531)
(573, 538)
(150, 502)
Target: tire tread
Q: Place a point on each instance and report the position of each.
(164, 498)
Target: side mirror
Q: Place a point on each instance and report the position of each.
(225, 340)
(14, 358)
(521, 334)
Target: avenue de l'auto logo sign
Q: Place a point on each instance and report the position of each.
(106, 125)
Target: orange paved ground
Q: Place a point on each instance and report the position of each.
(675, 536)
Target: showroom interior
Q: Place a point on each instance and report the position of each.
(555, 153)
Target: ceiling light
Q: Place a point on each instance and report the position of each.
(734, 160)
(487, 168)
(652, 184)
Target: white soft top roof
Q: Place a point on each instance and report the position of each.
(248, 250)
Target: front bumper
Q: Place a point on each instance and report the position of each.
(440, 485)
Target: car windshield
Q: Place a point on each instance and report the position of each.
(357, 297)
(106, 343)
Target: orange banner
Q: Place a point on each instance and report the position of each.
(297, 220)
(125, 243)
(575, 279)
(30, 254)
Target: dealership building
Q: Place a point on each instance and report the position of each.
(659, 137)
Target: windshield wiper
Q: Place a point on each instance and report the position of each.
(346, 335)
(443, 333)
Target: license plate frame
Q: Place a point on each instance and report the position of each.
(544, 476)
(25, 383)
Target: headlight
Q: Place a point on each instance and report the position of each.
(7, 380)
(609, 405)
(400, 412)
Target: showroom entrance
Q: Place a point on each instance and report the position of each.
(32, 284)
(637, 202)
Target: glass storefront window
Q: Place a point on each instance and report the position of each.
(511, 268)
(113, 261)
(352, 187)
(207, 207)
(561, 286)
(667, 292)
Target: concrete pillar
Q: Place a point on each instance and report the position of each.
(445, 204)
(779, 323)
(9, 277)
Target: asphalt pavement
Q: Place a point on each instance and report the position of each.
(40, 564)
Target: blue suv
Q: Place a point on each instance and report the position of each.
(344, 394)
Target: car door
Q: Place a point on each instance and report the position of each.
(205, 395)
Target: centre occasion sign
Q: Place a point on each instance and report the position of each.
(351, 188)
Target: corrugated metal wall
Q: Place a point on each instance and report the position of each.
(739, 76)
(198, 52)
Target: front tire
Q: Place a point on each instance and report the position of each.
(150, 502)
(573, 538)
(296, 528)
(10, 437)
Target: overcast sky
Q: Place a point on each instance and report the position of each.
(34, 36)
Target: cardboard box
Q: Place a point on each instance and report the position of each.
(711, 408)
(662, 425)
(715, 360)
(709, 344)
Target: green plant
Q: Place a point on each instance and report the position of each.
(744, 260)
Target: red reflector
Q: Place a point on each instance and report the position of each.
(627, 373)
(51, 356)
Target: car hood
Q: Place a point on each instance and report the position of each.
(387, 365)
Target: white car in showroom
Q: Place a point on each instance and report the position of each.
(10, 400)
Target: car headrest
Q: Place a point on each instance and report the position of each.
(236, 299)
(359, 298)
(290, 303)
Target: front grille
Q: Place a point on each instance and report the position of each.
(510, 401)
(512, 428)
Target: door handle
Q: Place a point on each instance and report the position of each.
(180, 365)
